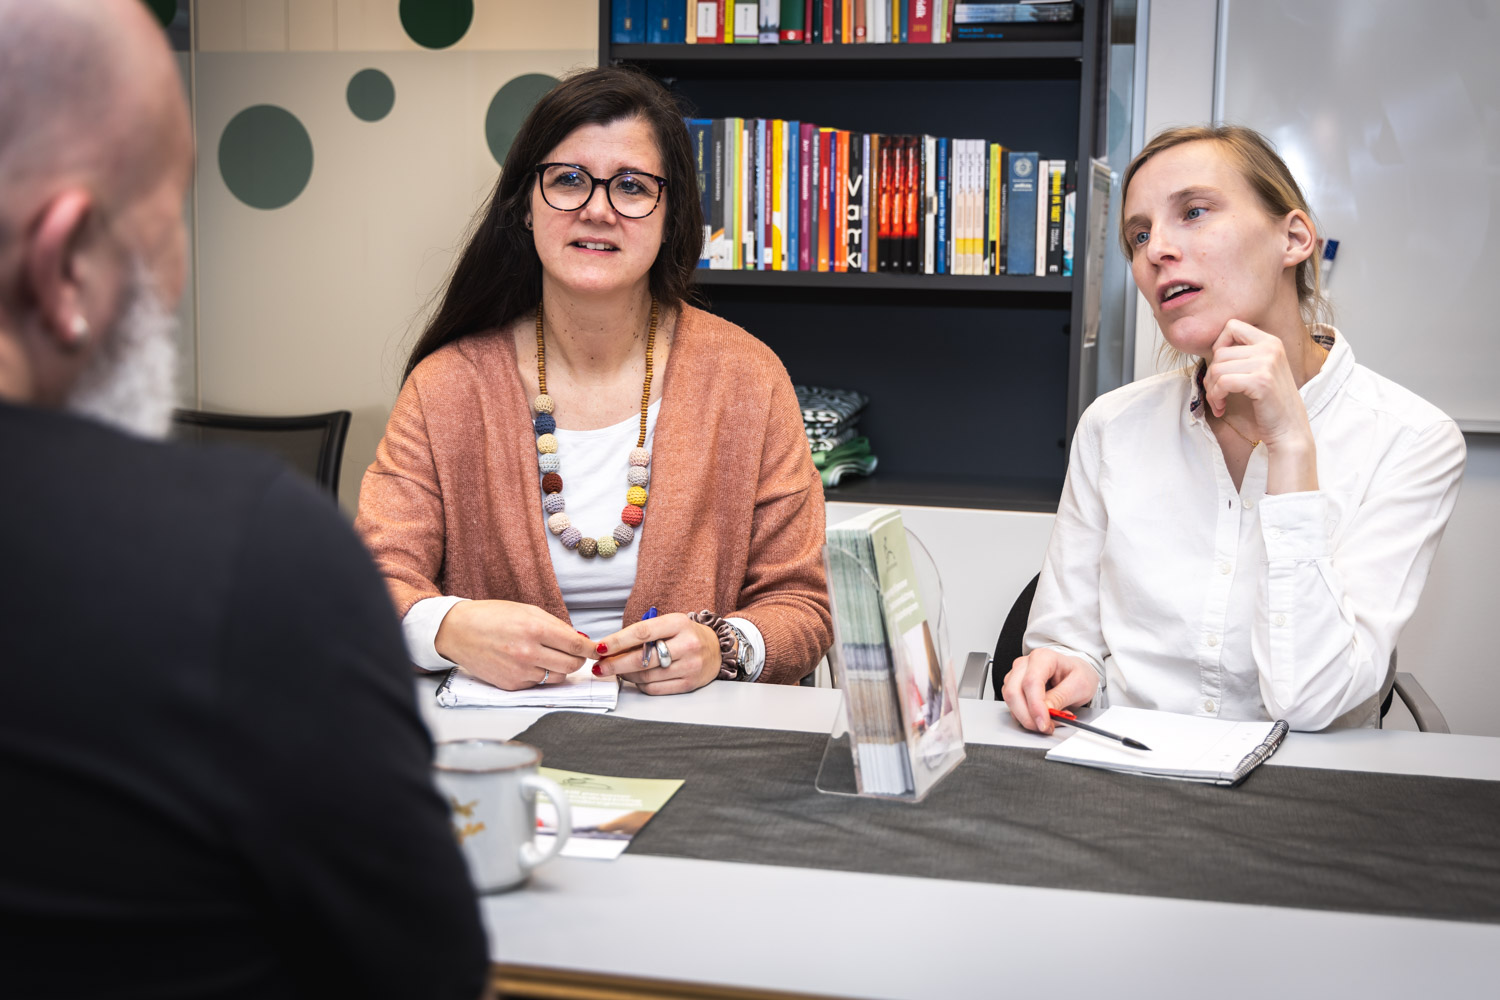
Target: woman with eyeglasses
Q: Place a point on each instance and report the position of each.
(576, 448)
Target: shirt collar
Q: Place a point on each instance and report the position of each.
(1316, 391)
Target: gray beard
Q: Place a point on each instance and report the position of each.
(130, 383)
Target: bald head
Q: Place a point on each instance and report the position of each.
(95, 161)
(91, 95)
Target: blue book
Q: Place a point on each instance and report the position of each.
(794, 192)
(700, 133)
(905, 20)
(1020, 209)
(940, 256)
(666, 22)
(627, 22)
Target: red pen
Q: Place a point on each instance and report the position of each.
(1069, 719)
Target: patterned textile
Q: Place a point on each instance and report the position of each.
(829, 407)
(820, 444)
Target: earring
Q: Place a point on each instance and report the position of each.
(79, 327)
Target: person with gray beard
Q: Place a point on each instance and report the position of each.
(215, 781)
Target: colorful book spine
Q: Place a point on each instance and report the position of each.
(1070, 206)
(992, 213)
(1021, 199)
(839, 238)
(708, 22)
(778, 196)
(700, 134)
(627, 22)
(942, 207)
(768, 24)
(666, 22)
(827, 151)
(911, 201)
(1055, 196)
(794, 198)
(746, 29)
(883, 207)
(806, 172)
(719, 213)
(793, 22)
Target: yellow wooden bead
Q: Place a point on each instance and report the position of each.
(546, 444)
(636, 495)
(607, 546)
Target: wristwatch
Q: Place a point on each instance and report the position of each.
(749, 656)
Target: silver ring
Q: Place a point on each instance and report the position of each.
(545, 675)
(663, 655)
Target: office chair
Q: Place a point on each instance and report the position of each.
(1424, 710)
(312, 444)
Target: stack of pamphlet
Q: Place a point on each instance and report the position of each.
(900, 695)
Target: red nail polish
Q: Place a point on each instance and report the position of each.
(601, 649)
(584, 634)
(597, 671)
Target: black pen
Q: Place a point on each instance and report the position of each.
(1069, 719)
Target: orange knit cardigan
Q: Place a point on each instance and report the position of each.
(452, 502)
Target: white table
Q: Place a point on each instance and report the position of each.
(754, 929)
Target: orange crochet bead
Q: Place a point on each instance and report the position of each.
(632, 515)
(552, 483)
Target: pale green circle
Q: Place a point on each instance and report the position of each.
(436, 24)
(265, 156)
(509, 108)
(371, 95)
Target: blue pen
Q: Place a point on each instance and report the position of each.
(646, 653)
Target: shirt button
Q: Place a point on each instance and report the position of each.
(1279, 620)
(1248, 503)
(1208, 705)
(1274, 532)
(1224, 568)
(1213, 640)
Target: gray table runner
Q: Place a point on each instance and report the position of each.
(1314, 839)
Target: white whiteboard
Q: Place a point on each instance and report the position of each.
(1388, 113)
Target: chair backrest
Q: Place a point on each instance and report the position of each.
(312, 444)
(1008, 648)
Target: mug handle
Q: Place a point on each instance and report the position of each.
(533, 785)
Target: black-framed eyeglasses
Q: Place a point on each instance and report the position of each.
(568, 187)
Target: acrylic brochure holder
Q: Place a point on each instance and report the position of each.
(897, 732)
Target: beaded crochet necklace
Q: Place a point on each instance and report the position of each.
(546, 446)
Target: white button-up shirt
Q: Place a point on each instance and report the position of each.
(1189, 596)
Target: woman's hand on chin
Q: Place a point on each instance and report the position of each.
(692, 655)
(511, 645)
(1046, 679)
(1252, 365)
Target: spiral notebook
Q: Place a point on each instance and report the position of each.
(1188, 747)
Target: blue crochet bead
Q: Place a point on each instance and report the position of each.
(549, 463)
(545, 423)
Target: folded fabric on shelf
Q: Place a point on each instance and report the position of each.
(832, 474)
(823, 445)
(829, 407)
(855, 447)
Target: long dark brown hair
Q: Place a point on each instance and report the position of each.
(498, 275)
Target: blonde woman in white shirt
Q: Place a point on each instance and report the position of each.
(1243, 538)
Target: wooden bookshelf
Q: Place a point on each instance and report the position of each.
(975, 382)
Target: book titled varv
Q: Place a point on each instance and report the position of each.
(901, 694)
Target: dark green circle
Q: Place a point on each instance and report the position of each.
(164, 10)
(265, 156)
(371, 95)
(436, 24)
(509, 108)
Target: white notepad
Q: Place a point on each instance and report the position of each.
(1182, 746)
(580, 691)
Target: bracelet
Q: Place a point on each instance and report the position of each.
(730, 642)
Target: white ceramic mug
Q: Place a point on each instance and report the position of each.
(491, 787)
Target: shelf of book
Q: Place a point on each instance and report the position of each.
(1033, 495)
(975, 382)
(866, 280)
(976, 58)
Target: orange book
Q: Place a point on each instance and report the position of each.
(826, 146)
(840, 242)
